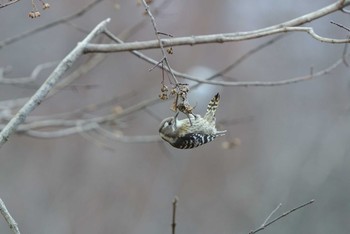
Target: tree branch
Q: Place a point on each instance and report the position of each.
(205, 39)
(266, 223)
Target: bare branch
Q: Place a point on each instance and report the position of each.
(266, 224)
(10, 221)
(41, 93)
(205, 39)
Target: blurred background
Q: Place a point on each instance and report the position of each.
(291, 142)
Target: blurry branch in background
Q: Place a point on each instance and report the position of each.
(65, 19)
(245, 56)
(267, 223)
(8, 3)
(10, 221)
(25, 80)
(84, 68)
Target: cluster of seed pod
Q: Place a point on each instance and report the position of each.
(179, 92)
(163, 92)
(35, 13)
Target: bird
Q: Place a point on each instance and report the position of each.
(193, 131)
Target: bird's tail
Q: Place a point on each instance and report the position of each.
(211, 109)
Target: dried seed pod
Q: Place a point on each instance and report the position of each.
(174, 104)
(185, 108)
(173, 91)
(46, 5)
(163, 96)
(31, 14)
(170, 50)
(164, 89)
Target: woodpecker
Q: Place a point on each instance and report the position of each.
(193, 131)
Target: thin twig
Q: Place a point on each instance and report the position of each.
(270, 215)
(10, 221)
(160, 43)
(245, 56)
(173, 220)
(264, 225)
(341, 26)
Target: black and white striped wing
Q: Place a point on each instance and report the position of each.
(192, 140)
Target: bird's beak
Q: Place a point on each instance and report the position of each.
(175, 118)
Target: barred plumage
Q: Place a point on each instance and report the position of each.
(186, 134)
